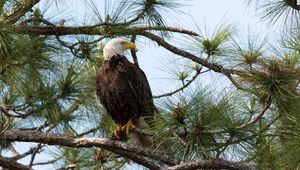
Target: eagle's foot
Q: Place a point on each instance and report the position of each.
(128, 127)
(117, 131)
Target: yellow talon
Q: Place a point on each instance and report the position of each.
(117, 131)
(128, 127)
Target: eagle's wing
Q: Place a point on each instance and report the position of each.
(124, 91)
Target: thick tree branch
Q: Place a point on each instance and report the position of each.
(210, 164)
(12, 164)
(110, 145)
(89, 30)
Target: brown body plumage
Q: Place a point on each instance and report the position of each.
(124, 91)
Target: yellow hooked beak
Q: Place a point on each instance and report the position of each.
(129, 45)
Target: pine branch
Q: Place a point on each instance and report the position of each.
(134, 152)
(211, 164)
(175, 50)
(63, 140)
(12, 164)
(51, 29)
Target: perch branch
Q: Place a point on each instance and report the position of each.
(110, 145)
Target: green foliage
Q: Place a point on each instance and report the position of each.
(272, 81)
(50, 80)
(279, 11)
(247, 51)
(186, 127)
(214, 44)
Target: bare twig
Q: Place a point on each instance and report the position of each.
(47, 162)
(35, 151)
(12, 164)
(37, 128)
(183, 87)
(23, 155)
(133, 52)
(89, 131)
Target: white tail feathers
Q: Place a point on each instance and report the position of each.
(139, 138)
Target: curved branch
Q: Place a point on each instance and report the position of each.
(183, 87)
(111, 145)
(175, 50)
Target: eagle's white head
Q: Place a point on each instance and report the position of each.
(116, 46)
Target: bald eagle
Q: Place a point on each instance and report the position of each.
(124, 91)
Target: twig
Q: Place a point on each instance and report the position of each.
(183, 87)
(46, 162)
(37, 128)
(266, 107)
(133, 51)
(23, 155)
(257, 118)
(12, 164)
(89, 131)
(35, 151)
